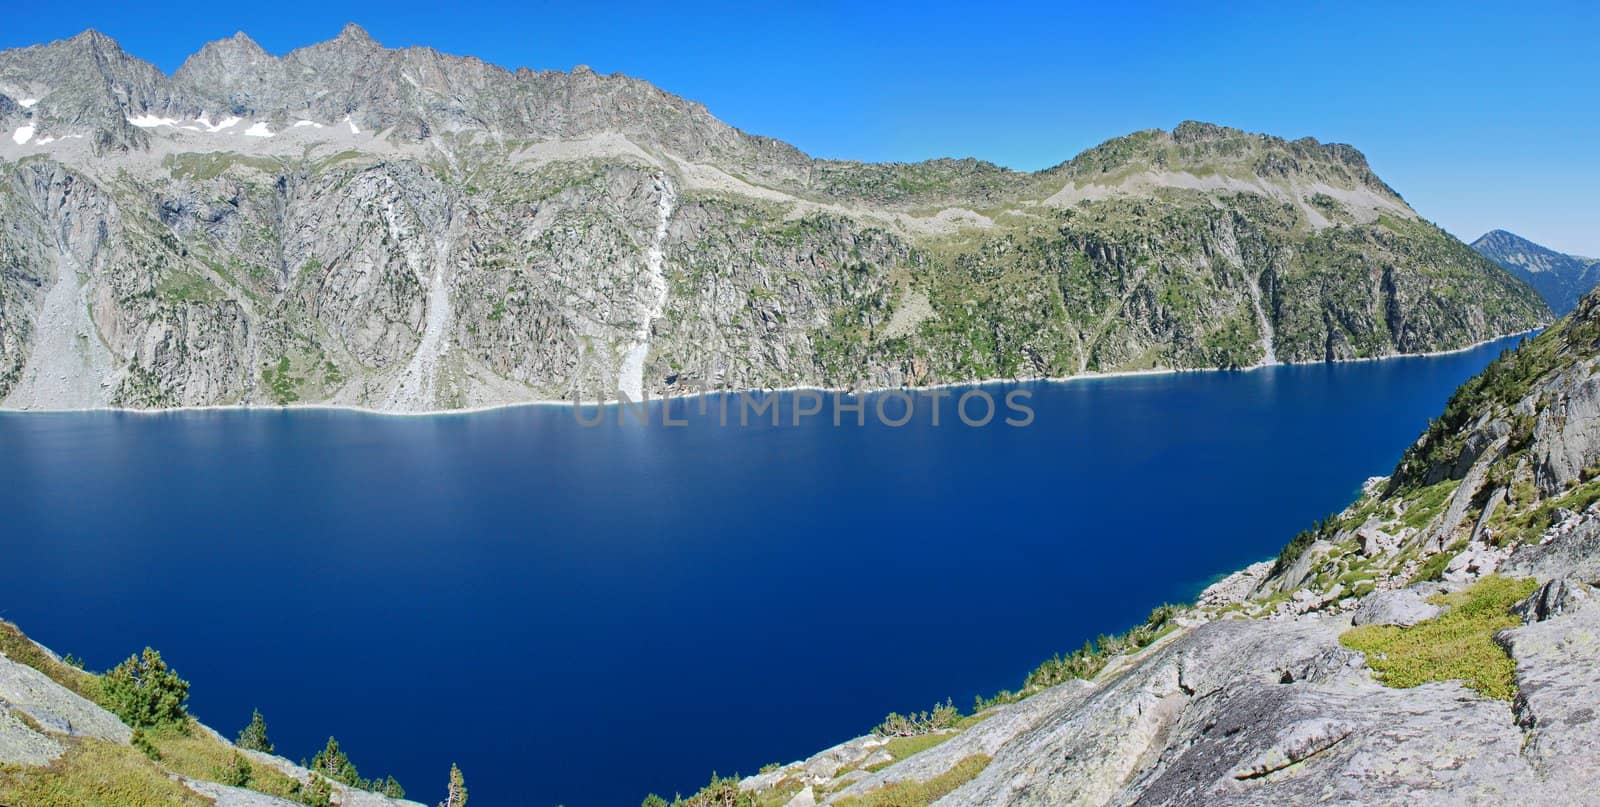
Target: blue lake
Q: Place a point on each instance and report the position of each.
(582, 615)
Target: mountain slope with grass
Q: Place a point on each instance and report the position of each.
(69, 737)
(1436, 642)
(401, 229)
(1560, 279)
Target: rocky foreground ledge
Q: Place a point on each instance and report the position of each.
(57, 747)
(1438, 642)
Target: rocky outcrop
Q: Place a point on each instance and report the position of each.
(52, 709)
(399, 229)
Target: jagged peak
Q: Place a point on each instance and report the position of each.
(243, 40)
(239, 44)
(92, 36)
(354, 33)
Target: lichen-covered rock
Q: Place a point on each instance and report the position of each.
(1558, 676)
(54, 707)
(20, 744)
(1396, 607)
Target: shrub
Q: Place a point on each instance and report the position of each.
(317, 792)
(943, 716)
(145, 692)
(239, 772)
(722, 792)
(1455, 645)
(141, 742)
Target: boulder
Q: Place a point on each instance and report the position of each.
(1553, 599)
(1402, 607)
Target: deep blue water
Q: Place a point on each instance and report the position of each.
(584, 615)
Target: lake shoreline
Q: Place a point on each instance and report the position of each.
(689, 396)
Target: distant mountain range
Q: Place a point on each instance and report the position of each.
(1559, 278)
(404, 230)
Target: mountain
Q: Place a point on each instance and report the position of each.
(1433, 643)
(1560, 279)
(400, 229)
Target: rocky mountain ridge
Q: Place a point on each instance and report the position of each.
(1559, 278)
(1434, 643)
(402, 230)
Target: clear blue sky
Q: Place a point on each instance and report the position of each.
(1480, 118)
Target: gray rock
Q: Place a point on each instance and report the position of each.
(987, 737)
(21, 745)
(1553, 599)
(1570, 550)
(225, 796)
(805, 798)
(1558, 674)
(54, 707)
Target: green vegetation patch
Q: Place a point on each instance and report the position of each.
(1427, 503)
(1456, 645)
(281, 383)
(920, 794)
(186, 287)
(197, 754)
(94, 772)
(902, 747)
(210, 165)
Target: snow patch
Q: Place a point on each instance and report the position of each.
(259, 129)
(27, 103)
(352, 124)
(151, 121)
(23, 135)
(300, 123)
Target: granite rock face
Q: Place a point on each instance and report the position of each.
(403, 230)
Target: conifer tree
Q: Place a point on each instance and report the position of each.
(457, 794)
(145, 692)
(254, 736)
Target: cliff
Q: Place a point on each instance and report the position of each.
(403, 230)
